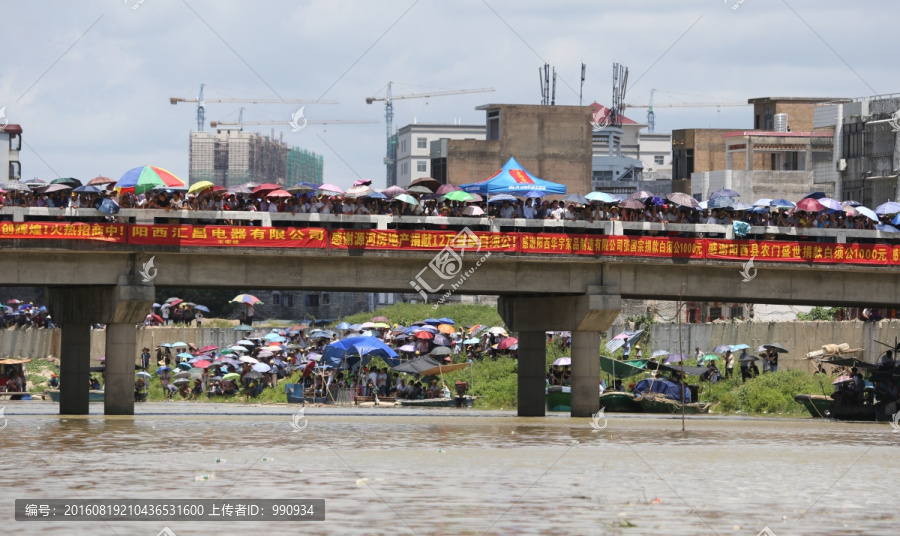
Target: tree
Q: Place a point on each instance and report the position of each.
(821, 313)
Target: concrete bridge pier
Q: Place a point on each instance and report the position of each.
(121, 308)
(585, 316)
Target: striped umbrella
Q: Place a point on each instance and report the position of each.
(145, 178)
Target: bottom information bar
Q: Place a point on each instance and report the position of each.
(170, 510)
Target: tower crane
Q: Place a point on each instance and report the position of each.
(201, 103)
(651, 116)
(390, 157)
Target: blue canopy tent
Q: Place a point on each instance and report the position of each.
(663, 387)
(513, 179)
(354, 349)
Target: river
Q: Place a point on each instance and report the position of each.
(401, 471)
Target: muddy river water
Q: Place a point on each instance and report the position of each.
(433, 471)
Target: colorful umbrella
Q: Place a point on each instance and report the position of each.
(146, 178)
(246, 298)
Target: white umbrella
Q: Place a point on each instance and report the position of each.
(248, 359)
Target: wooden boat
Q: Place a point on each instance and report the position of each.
(651, 403)
(559, 398)
(93, 396)
(816, 405)
(619, 402)
(467, 401)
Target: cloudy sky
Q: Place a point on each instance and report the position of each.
(90, 81)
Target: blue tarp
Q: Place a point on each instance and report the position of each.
(352, 349)
(513, 179)
(663, 387)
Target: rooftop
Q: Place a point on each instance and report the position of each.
(760, 100)
(774, 134)
(11, 128)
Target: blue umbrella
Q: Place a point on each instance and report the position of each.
(720, 202)
(724, 192)
(271, 335)
(577, 198)
(783, 203)
(377, 195)
(203, 308)
(602, 197)
(891, 207)
(764, 202)
(143, 374)
(473, 340)
(851, 203)
(499, 198)
(445, 320)
(657, 200)
(896, 220)
(160, 370)
(830, 203)
(108, 206)
(343, 326)
(184, 355)
(87, 190)
(432, 321)
(737, 347)
(441, 340)
(533, 193)
(887, 228)
(815, 195)
(742, 206)
(721, 348)
(185, 366)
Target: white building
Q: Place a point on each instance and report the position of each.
(414, 147)
(10, 145)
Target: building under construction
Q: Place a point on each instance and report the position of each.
(231, 157)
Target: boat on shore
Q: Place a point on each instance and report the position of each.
(93, 395)
(619, 402)
(816, 405)
(453, 402)
(559, 398)
(656, 403)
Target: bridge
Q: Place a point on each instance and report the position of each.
(550, 275)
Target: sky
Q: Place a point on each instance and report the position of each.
(90, 81)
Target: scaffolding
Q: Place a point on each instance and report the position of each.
(231, 157)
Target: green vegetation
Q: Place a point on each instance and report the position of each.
(768, 393)
(821, 313)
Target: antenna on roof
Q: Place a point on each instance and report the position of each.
(553, 98)
(581, 89)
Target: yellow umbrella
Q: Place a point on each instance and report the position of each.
(381, 325)
(200, 186)
(447, 329)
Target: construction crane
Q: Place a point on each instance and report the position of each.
(201, 104)
(240, 122)
(651, 117)
(390, 157)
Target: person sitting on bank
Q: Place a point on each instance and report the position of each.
(433, 390)
(54, 381)
(887, 361)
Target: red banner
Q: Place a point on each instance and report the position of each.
(423, 240)
(644, 246)
(104, 232)
(800, 252)
(215, 235)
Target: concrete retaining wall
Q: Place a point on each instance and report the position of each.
(798, 337)
(29, 342)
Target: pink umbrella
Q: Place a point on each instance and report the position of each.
(393, 191)
(472, 210)
(507, 342)
(330, 188)
(279, 193)
(202, 363)
(362, 182)
(842, 379)
(809, 205)
(476, 199)
(446, 189)
(359, 191)
(620, 336)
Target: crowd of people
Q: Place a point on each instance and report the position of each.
(295, 355)
(18, 315)
(640, 207)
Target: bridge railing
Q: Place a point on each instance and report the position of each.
(332, 221)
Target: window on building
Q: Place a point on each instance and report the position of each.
(659, 160)
(402, 146)
(715, 313)
(326, 298)
(276, 298)
(493, 125)
(421, 143)
(404, 169)
(385, 298)
(312, 300)
(769, 119)
(422, 166)
(852, 138)
(287, 300)
(737, 312)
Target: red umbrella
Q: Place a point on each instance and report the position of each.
(507, 342)
(266, 188)
(14, 302)
(202, 363)
(279, 193)
(424, 335)
(809, 205)
(209, 348)
(157, 318)
(307, 370)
